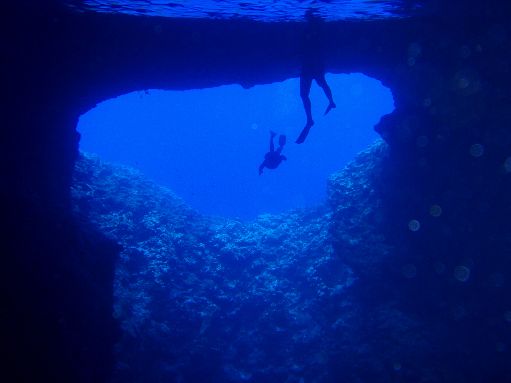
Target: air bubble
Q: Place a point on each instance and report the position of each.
(465, 52)
(435, 210)
(507, 165)
(476, 150)
(463, 83)
(507, 316)
(414, 225)
(462, 273)
(396, 366)
(414, 50)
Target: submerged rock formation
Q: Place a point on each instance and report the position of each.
(321, 295)
(212, 298)
(434, 246)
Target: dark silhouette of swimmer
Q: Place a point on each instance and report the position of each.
(313, 68)
(273, 158)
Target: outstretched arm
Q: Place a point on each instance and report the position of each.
(261, 167)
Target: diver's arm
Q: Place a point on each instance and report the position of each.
(261, 167)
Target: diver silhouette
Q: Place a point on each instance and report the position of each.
(273, 158)
(313, 68)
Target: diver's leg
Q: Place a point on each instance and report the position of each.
(272, 146)
(305, 88)
(328, 92)
(282, 142)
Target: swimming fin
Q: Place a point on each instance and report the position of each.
(303, 134)
(282, 140)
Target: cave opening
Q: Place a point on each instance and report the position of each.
(206, 144)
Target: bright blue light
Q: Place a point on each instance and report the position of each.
(207, 144)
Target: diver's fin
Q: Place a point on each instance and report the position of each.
(329, 108)
(282, 140)
(303, 134)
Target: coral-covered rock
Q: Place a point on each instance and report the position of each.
(246, 299)
(321, 294)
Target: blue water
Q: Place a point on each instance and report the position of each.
(261, 10)
(206, 145)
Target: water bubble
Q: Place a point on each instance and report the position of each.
(465, 52)
(507, 316)
(409, 271)
(435, 210)
(476, 150)
(422, 141)
(414, 225)
(411, 61)
(463, 83)
(507, 165)
(426, 102)
(500, 347)
(254, 126)
(461, 273)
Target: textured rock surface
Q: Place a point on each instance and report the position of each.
(208, 297)
(321, 295)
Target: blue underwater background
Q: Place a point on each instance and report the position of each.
(140, 243)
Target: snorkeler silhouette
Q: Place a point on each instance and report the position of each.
(273, 158)
(313, 68)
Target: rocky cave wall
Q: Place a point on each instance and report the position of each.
(449, 147)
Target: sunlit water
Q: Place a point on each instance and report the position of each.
(207, 144)
(260, 10)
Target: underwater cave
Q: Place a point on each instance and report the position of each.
(402, 275)
(206, 144)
